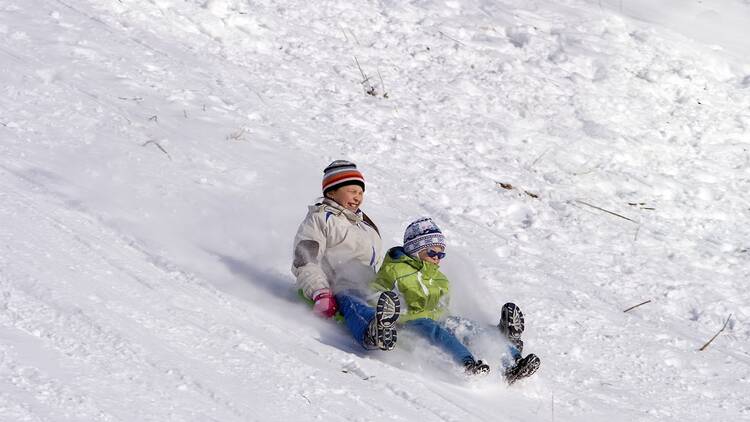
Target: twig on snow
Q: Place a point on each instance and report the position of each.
(305, 397)
(641, 205)
(343, 32)
(449, 37)
(370, 90)
(607, 211)
(508, 186)
(705, 346)
(382, 85)
(640, 304)
(158, 146)
(356, 40)
(540, 157)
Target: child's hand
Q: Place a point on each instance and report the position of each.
(325, 303)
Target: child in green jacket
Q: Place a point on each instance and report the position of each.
(413, 272)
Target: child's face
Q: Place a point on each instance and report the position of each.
(349, 196)
(425, 253)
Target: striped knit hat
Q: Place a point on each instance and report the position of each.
(341, 173)
(421, 234)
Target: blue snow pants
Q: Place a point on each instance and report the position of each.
(454, 334)
(357, 315)
(439, 336)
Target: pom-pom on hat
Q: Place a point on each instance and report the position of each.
(421, 234)
(341, 173)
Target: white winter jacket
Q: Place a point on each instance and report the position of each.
(335, 248)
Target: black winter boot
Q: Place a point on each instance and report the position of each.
(523, 368)
(381, 331)
(511, 325)
(476, 367)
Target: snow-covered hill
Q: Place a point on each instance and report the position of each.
(582, 157)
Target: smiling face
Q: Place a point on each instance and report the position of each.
(424, 254)
(349, 196)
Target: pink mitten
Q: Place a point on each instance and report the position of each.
(325, 303)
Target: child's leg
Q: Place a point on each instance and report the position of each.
(470, 332)
(439, 336)
(464, 329)
(357, 315)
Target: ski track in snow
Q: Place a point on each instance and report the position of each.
(158, 155)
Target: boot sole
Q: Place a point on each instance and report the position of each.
(511, 321)
(387, 312)
(528, 366)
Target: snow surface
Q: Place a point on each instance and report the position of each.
(158, 155)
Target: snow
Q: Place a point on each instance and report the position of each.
(157, 157)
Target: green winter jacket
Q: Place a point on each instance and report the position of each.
(423, 289)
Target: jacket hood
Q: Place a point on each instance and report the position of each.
(329, 205)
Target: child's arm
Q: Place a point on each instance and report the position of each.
(309, 248)
(384, 281)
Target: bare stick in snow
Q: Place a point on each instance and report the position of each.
(705, 346)
(343, 32)
(451, 38)
(607, 211)
(508, 186)
(382, 85)
(540, 157)
(305, 397)
(640, 304)
(641, 205)
(365, 80)
(158, 146)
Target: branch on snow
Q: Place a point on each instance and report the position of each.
(382, 85)
(641, 205)
(508, 186)
(607, 211)
(367, 85)
(158, 146)
(451, 38)
(640, 304)
(305, 397)
(705, 346)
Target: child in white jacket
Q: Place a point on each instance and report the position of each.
(337, 251)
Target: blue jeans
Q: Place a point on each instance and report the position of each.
(454, 334)
(439, 336)
(357, 315)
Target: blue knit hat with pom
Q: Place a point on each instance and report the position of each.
(421, 234)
